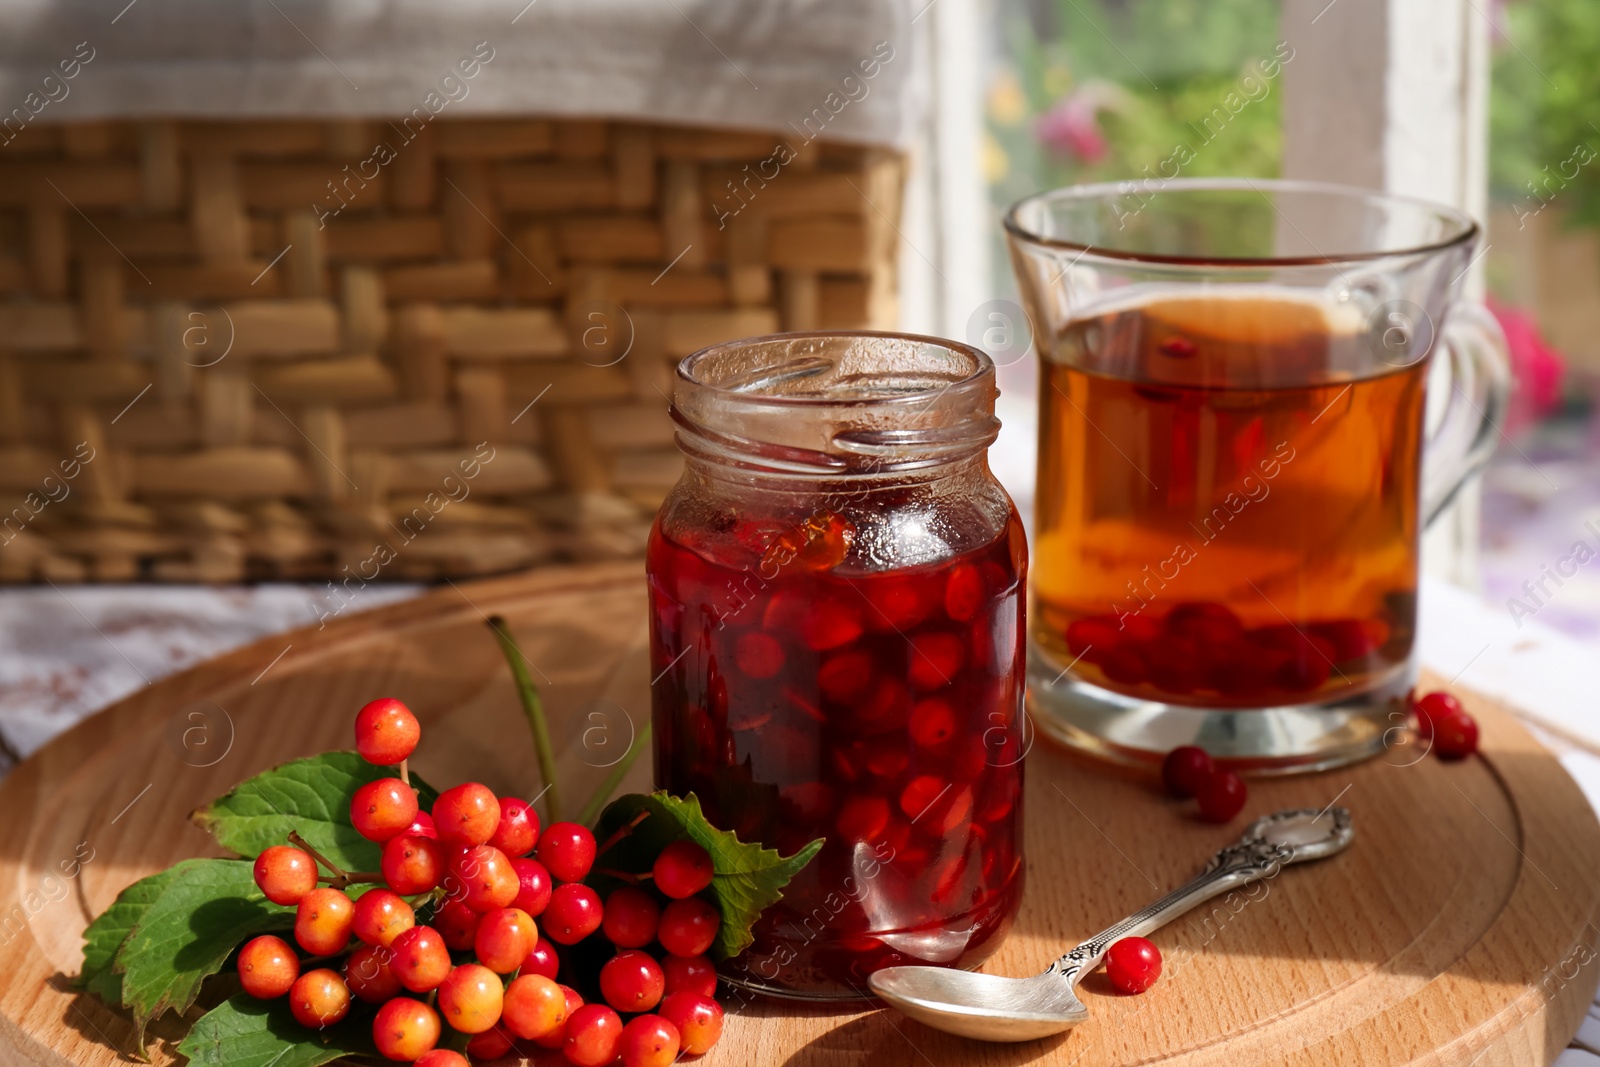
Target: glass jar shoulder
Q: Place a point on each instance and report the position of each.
(851, 529)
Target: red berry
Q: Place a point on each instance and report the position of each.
(422, 826)
(323, 920)
(491, 1044)
(631, 982)
(682, 869)
(467, 814)
(483, 879)
(1455, 736)
(533, 886)
(381, 916)
(698, 1019)
(267, 967)
(631, 917)
(594, 1034)
(534, 1007)
(688, 927)
(933, 722)
(558, 1037)
(542, 960)
(567, 851)
(689, 974)
(420, 959)
(963, 594)
(319, 998)
(758, 655)
(386, 732)
(649, 1041)
(383, 809)
(1184, 769)
(1133, 964)
(1221, 796)
(369, 976)
(285, 874)
(504, 939)
(405, 1029)
(1432, 707)
(518, 829)
(413, 864)
(457, 924)
(935, 659)
(471, 998)
(444, 1057)
(574, 913)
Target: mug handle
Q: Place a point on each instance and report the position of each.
(1480, 387)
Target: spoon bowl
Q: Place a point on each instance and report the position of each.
(993, 1008)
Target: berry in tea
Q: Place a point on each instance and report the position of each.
(1212, 529)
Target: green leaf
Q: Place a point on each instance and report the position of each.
(310, 796)
(108, 932)
(204, 910)
(748, 878)
(246, 1032)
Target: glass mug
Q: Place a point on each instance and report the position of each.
(836, 635)
(1232, 483)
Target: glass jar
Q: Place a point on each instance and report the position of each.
(836, 608)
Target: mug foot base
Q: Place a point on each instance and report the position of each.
(1286, 739)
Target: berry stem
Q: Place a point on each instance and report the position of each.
(603, 792)
(299, 842)
(623, 876)
(621, 832)
(534, 708)
(405, 770)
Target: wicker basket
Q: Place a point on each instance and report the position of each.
(264, 350)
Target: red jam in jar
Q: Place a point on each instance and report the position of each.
(836, 642)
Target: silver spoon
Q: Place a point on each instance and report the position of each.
(992, 1008)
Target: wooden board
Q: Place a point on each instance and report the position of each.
(1458, 929)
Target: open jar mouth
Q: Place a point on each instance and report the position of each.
(840, 403)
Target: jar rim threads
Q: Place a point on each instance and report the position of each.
(872, 402)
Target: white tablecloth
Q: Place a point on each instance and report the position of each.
(757, 64)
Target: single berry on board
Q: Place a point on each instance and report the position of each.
(1133, 964)
(1431, 707)
(1185, 769)
(1455, 736)
(1221, 796)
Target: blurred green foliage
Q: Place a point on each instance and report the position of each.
(1175, 63)
(1544, 108)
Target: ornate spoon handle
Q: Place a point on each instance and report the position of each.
(1260, 853)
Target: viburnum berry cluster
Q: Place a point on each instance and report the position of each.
(1189, 771)
(462, 938)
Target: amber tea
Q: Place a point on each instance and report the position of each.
(1228, 501)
